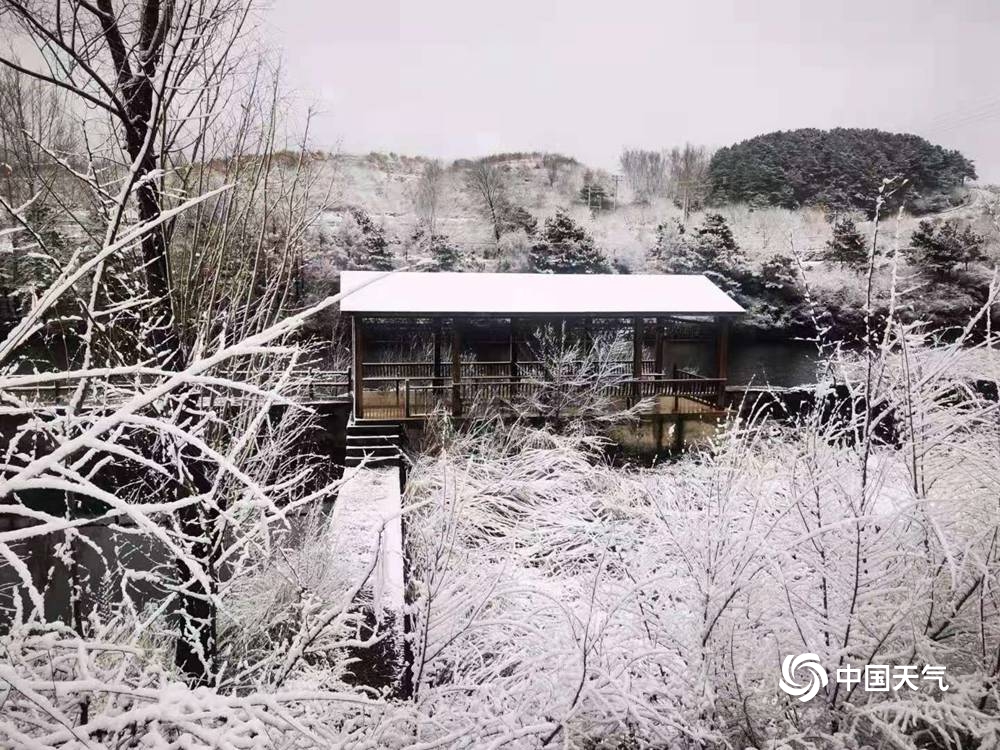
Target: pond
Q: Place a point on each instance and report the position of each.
(778, 363)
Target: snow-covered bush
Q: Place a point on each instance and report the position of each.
(556, 596)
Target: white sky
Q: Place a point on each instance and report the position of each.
(454, 78)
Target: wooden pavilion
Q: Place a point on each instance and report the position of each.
(463, 342)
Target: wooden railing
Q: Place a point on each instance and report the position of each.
(387, 371)
(318, 385)
(421, 397)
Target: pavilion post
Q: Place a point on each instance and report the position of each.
(513, 349)
(357, 366)
(456, 368)
(722, 356)
(658, 348)
(436, 373)
(636, 356)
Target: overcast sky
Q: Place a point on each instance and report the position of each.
(460, 78)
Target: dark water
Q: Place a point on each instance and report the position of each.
(779, 363)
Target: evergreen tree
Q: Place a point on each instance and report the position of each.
(711, 250)
(418, 244)
(365, 242)
(847, 246)
(675, 251)
(514, 217)
(779, 278)
(444, 255)
(940, 248)
(565, 247)
(717, 245)
(595, 197)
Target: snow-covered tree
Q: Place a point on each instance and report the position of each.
(566, 247)
(940, 247)
(364, 242)
(848, 245)
(445, 256)
(429, 193)
(710, 249)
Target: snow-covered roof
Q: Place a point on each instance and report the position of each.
(411, 293)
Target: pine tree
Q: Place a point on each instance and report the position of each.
(718, 247)
(847, 246)
(444, 255)
(675, 251)
(367, 248)
(711, 250)
(595, 197)
(565, 247)
(514, 217)
(940, 248)
(417, 245)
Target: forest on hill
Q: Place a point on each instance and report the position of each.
(839, 169)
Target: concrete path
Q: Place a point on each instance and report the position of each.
(366, 519)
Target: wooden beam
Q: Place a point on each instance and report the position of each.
(722, 356)
(456, 368)
(357, 367)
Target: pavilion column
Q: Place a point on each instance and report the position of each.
(636, 356)
(658, 348)
(436, 372)
(722, 356)
(456, 368)
(513, 349)
(357, 367)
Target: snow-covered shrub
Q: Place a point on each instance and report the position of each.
(556, 595)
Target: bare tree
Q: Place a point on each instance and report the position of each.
(551, 164)
(645, 172)
(580, 379)
(486, 182)
(178, 113)
(688, 176)
(31, 114)
(147, 67)
(429, 192)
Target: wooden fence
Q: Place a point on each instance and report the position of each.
(390, 371)
(414, 398)
(314, 386)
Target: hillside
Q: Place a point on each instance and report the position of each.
(386, 187)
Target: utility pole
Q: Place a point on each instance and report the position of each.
(616, 177)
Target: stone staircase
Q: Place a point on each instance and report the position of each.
(376, 442)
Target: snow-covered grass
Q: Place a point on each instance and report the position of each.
(561, 601)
